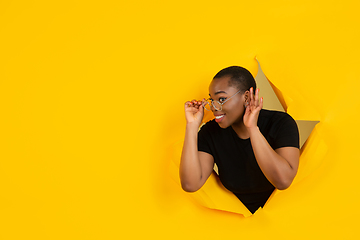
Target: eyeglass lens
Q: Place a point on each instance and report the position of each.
(209, 104)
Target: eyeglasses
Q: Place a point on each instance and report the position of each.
(216, 104)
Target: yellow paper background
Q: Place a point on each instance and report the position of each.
(92, 98)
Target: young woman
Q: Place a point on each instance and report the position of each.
(256, 150)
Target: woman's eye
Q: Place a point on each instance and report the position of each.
(222, 99)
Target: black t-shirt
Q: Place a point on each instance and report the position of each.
(238, 169)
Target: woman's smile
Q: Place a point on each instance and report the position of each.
(219, 117)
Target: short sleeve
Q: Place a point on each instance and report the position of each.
(286, 133)
(204, 137)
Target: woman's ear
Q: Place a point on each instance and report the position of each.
(247, 95)
(246, 98)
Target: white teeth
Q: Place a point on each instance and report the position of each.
(218, 117)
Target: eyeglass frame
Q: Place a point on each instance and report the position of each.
(212, 102)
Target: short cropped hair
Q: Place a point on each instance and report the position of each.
(240, 78)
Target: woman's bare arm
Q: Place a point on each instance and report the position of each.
(279, 166)
(195, 166)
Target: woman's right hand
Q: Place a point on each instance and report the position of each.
(194, 112)
(195, 166)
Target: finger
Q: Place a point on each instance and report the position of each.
(190, 103)
(247, 110)
(195, 103)
(261, 102)
(257, 97)
(201, 107)
(251, 97)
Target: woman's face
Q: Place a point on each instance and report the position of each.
(233, 110)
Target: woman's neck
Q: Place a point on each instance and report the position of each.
(241, 130)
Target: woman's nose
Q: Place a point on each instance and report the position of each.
(213, 109)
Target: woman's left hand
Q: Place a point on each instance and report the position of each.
(253, 109)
